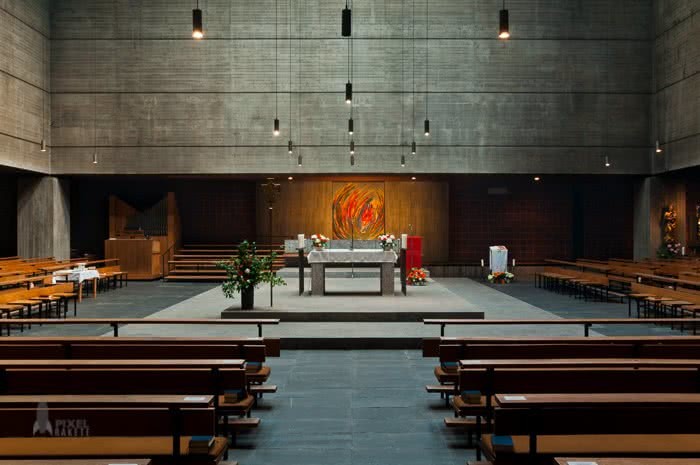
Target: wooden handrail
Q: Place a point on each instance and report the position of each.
(586, 322)
(116, 322)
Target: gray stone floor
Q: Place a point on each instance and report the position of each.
(352, 407)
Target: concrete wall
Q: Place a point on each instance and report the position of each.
(571, 87)
(43, 217)
(676, 101)
(24, 83)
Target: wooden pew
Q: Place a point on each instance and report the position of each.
(431, 345)
(154, 428)
(112, 461)
(16, 302)
(118, 377)
(548, 425)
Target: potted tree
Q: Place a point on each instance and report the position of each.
(246, 271)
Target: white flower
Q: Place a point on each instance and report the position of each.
(247, 271)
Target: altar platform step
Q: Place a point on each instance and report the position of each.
(369, 316)
(332, 273)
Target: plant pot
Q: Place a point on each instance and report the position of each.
(248, 298)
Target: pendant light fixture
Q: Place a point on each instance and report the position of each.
(276, 124)
(426, 123)
(403, 161)
(607, 162)
(300, 160)
(290, 143)
(403, 83)
(43, 100)
(346, 20)
(94, 92)
(352, 147)
(503, 26)
(348, 85)
(658, 147)
(197, 23)
(351, 125)
(352, 160)
(413, 71)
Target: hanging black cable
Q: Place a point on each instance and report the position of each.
(290, 144)
(94, 90)
(197, 23)
(276, 126)
(426, 123)
(503, 26)
(413, 71)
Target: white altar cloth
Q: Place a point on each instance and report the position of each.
(352, 256)
(75, 275)
(498, 259)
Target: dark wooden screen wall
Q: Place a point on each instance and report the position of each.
(556, 217)
(8, 214)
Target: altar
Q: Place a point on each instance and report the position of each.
(318, 259)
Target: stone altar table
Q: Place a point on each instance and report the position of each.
(318, 259)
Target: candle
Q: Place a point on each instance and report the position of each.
(513, 263)
(404, 241)
(482, 262)
(683, 251)
(301, 241)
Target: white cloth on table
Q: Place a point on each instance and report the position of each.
(75, 275)
(352, 256)
(498, 259)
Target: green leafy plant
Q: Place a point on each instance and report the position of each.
(247, 270)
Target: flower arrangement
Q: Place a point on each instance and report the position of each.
(246, 271)
(670, 247)
(500, 277)
(417, 277)
(319, 241)
(387, 241)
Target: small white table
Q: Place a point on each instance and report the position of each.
(78, 276)
(318, 259)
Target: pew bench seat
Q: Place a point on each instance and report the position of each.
(158, 448)
(259, 376)
(242, 407)
(621, 445)
(445, 376)
(464, 409)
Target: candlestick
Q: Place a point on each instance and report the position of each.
(513, 263)
(300, 237)
(683, 251)
(404, 241)
(482, 262)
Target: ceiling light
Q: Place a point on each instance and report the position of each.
(352, 160)
(299, 160)
(197, 23)
(413, 178)
(351, 126)
(403, 161)
(346, 29)
(276, 129)
(503, 26)
(43, 145)
(658, 147)
(352, 147)
(290, 147)
(291, 178)
(413, 147)
(536, 178)
(94, 157)
(426, 127)
(607, 162)
(348, 93)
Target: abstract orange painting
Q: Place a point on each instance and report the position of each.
(358, 210)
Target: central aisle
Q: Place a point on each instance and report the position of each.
(362, 407)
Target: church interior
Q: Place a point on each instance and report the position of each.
(349, 231)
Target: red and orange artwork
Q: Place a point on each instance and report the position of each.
(358, 210)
